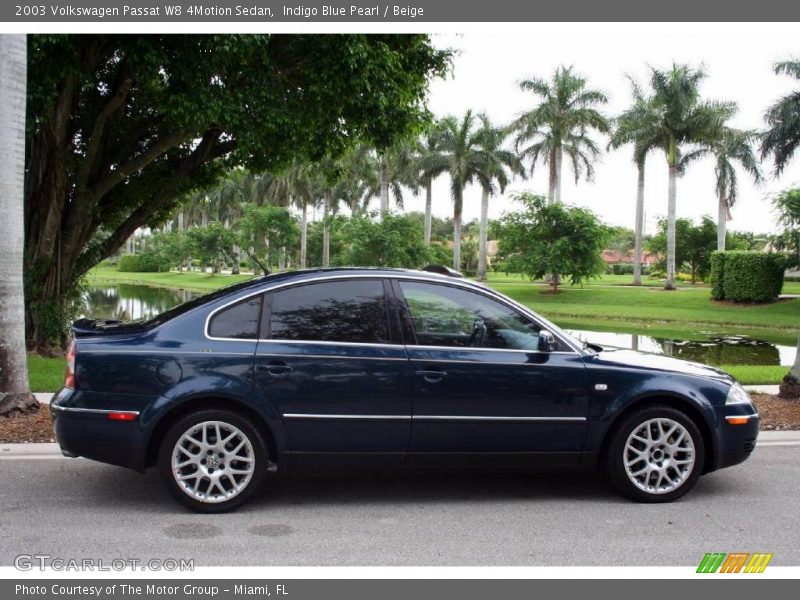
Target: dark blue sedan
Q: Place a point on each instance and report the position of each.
(335, 369)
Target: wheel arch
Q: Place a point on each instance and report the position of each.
(179, 410)
(672, 400)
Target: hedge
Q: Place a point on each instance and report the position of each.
(747, 276)
(142, 263)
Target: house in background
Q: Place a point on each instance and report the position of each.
(615, 257)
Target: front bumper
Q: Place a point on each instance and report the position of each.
(91, 434)
(737, 434)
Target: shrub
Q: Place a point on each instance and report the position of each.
(747, 276)
(148, 262)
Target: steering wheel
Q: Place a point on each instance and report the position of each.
(478, 333)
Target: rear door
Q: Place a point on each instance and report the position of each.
(333, 366)
(483, 390)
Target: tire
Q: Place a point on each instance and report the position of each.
(228, 468)
(649, 461)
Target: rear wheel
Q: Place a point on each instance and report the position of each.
(213, 460)
(655, 455)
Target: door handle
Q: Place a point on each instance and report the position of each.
(431, 375)
(275, 367)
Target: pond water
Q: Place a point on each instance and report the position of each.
(131, 302)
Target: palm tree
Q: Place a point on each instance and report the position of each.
(683, 119)
(396, 170)
(427, 149)
(461, 156)
(15, 392)
(638, 125)
(561, 124)
(499, 165)
(732, 146)
(783, 118)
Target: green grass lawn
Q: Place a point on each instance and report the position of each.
(198, 282)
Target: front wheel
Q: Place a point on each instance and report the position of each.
(655, 455)
(213, 460)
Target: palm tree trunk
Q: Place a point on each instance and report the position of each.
(428, 203)
(326, 230)
(384, 185)
(304, 235)
(15, 393)
(557, 184)
(669, 284)
(551, 192)
(482, 238)
(638, 229)
(457, 206)
(722, 221)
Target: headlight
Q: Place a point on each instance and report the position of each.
(737, 395)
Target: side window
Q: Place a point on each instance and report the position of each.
(448, 316)
(335, 311)
(239, 321)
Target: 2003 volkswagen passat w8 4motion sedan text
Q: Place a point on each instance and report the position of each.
(323, 370)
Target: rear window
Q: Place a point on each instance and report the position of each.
(335, 311)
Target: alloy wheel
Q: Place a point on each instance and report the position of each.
(659, 456)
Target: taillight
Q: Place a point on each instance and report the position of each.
(69, 375)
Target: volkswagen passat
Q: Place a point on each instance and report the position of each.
(383, 369)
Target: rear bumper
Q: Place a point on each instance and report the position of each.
(91, 434)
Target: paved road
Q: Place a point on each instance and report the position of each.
(73, 508)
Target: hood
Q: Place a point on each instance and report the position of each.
(659, 362)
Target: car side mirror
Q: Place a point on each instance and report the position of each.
(547, 341)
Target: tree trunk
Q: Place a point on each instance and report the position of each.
(326, 230)
(428, 203)
(384, 185)
(790, 386)
(638, 228)
(15, 393)
(551, 190)
(482, 239)
(669, 284)
(722, 221)
(557, 183)
(457, 206)
(304, 236)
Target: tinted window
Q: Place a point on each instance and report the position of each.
(239, 321)
(336, 311)
(449, 316)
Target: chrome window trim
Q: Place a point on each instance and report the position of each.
(324, 416)
(96, 411)
(330, 356)
(400, 276)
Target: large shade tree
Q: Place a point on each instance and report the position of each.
(14, 388)
(782, 137)
(561, 124)
(684, 118)
(120, 127)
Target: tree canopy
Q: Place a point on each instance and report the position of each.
(120, 127)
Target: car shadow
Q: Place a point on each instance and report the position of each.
(128, 490)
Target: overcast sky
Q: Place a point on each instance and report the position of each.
(488, 67)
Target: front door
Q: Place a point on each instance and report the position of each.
(483, 388)
(333, 369)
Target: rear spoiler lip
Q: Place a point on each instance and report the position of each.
(85, 327)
